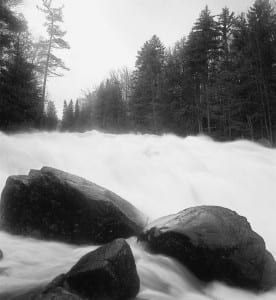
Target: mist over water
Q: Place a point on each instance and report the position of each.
(160, 176)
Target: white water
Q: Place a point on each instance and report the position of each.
(159, 175)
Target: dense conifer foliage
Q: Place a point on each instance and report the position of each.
(20, 95)
(50, 118)
(219, 80)
(25, 66)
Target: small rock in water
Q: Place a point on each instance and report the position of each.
(1, 254)
(108, 273)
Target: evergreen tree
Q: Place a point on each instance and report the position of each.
(109, 110)
(20, 96)
(220, 81)
(51, 119)
(146, 97)
(70, 115)
(10, 24)
(64, 121)
(177, 107)
(77, 116)
(225, 109)
(202, 52)
(51, 63)
(262, 37)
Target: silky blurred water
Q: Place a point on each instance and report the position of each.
(159, 175)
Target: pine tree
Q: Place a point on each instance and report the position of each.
(20, 96)
(262, 37)
(51, 63)
(10, 24)
(51, 119)
(77, 116)
(225, 108)
(220, 81)
(70, 115)
(64, 121)
(202, 57)
(109, 110)
(174, 104)
(146, 98)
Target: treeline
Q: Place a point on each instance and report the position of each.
(220, 81)
(25, 65)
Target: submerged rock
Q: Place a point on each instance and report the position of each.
(215, 243)
(53, 204)
(108, 273)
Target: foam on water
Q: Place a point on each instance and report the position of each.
(159, 175)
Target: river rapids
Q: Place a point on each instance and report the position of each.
(160, 175)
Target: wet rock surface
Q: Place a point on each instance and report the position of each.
(108, 273)
(215, 243)
(52, 204)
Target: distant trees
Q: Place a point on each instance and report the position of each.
(109, 109)
(77, 115)
(71, 119)
(50, 117)
(219, 81)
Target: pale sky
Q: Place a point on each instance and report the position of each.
(106, 34)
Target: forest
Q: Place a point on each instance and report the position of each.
(219, 81)
(25, 66)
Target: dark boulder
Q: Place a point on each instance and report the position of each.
(108, 273)
(53, 204)
(215, 243)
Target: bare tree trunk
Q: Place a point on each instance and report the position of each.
(229, 124)
(268, 111)
(153, 105)
(198, 104)
(264, 96)
(208, 108)
(47, 65)
(250, 126)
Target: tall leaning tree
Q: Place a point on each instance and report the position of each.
(51, 64)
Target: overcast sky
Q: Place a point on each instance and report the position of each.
(106, 34)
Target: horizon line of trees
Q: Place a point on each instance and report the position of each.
(220, 80)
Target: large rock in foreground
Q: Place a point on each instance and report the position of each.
(215, 243)
(56, 205)
(108, 273)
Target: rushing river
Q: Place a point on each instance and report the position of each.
(159, 175)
